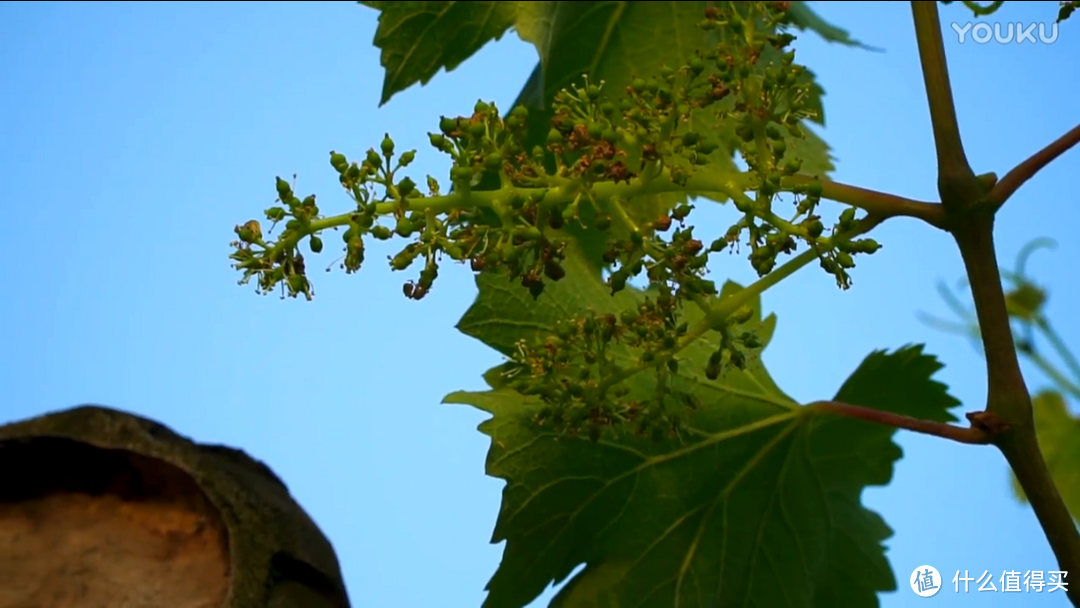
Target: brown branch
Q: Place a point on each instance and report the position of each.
(1007, 393)
(1026, 459)
(882, 204)
(1027, 169)
(972, 435)
(957, 184)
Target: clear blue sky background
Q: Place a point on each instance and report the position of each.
(137, 134)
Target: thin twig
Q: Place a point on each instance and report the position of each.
(1027, 169)
(969, 435)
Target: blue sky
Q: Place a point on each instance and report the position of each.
(140, 133)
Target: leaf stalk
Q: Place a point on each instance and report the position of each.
(972, 435)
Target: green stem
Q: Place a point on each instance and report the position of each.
(728, 305)
(694, 332)
(725, 307)
(730, 185)
(878, 203)
(957, 183)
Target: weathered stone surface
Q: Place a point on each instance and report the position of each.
(101, 509)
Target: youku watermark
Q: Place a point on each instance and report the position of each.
(1006, 33)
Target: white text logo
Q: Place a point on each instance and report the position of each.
(1006, 33)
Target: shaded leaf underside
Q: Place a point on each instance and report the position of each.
(758, 505)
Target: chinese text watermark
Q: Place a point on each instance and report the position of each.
(926, 581)
(1032, 581)
(1006, 33)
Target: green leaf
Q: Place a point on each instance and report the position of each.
(804, 18)
(757, 505)
(420, 38)
(1058, 431)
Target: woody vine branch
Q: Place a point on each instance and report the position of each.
(1008, 415)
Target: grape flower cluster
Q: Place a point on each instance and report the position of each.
(511, 200)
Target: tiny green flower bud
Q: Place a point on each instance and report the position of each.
(283, 188)
(406, 186)
(339, 162)
(847, 218)
(866, 246)
(250, 232)
(275, 214)
(742, 315)
(353, 173)
(373, 159)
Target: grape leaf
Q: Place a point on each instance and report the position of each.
(804, 18)
(420, 38)
(1058, 429)
(758, 505)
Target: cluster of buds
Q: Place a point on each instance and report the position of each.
(511, 200)
(583, 373)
